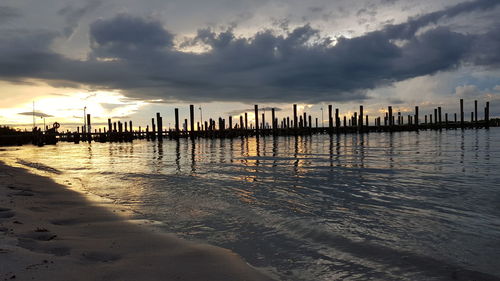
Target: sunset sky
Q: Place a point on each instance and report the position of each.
(129, 59)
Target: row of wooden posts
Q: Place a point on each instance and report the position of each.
(297, 124)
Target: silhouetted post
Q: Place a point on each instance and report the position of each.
(425, 119)
(430, 119)
(176, 113)
(310, 122)
(471, 117)
(126, 127)
(367, 124)
(439, 113)
(256, 109)
(110, 128)
(230, 122)
(274, 120)
(475, 111)
(330, 118)
(114, 127)
(399, 118)
(446, 119)
(487, 114)
(263, 125)
(130, 125)
(462, 113)
(360, 117)
(185, 125)
(191, 117)
(160, 126)
(295, 118)
(337, 118)
(316, 122)
(345, 121)
(390, 116)
(246, 121)
(416, 116)
(241, 122)
(305, 120)
(435, 116)
(455, 118)
(288, 122)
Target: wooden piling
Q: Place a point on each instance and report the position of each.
(159, 123)
(462, 113)
(360, 117)
(475, 111)
(256, 112)
(191, 117)
(391, 123)
(487, 114)
(330, 118)
(273, 117)
(176, 116)
(295, 118)
(246, 121)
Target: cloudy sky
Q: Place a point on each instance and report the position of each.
(129, 59)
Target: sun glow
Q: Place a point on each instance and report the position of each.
(68, 107)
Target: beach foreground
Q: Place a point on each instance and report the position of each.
(49, 232)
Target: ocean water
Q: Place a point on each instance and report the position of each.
(378, 206)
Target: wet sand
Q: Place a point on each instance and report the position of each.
(50, 232)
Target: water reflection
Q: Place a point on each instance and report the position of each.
(311, 206)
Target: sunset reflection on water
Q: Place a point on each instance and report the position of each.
(311, 207)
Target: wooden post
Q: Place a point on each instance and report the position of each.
(487, 114)
(390, 116)
(455, 118)
(88, 124)
(345, 121)
(475, 111)
(462, 113)
(230, 122)
(316, 122)
(185, 125)
(330, 120)
(337, 118)
(159, 123)
(310, 122)
(241, 122)
(439, 114)
(126, 127)
(256, 109)
(446, 119)
(305, 120)
(110, 129)
(435, 116)
(191, 117)
(273, 117)
(295, 118)
(246, 121)
(153, 126)
(361, 117)
(416, 116)
(130, 125)
(176, 113)
(367, 124)
(472, 117)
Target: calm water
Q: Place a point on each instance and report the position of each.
(380, 206)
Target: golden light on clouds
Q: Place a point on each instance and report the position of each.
(63, 105)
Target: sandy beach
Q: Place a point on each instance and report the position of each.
(50, 232)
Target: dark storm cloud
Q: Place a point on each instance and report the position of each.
(72, 14)
(139, 57)
(7, 13)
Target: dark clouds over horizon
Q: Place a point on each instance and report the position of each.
(139, 57)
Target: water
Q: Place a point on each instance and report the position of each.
(380, 206)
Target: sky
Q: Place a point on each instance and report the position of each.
(127, 60)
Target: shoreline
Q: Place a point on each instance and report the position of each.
(50, 232)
